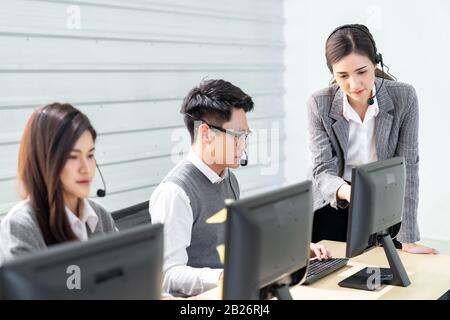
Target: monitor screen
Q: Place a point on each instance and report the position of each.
(123, 265)
(378, 193)
(267, 243)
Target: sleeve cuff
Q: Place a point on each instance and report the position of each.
(342, 204)
(334, 187)
(210, 277)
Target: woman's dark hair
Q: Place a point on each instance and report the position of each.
(212, 101)
(47, 141)
(352, 38)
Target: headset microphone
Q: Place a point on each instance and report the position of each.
(101, 192)
(379, 58)
(244, 160)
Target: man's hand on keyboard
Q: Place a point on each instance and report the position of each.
(320, 252)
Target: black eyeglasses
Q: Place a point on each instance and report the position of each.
(240, 136)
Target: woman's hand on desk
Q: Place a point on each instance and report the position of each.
(320, 252)
(417, 248)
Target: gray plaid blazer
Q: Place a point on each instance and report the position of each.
(396, 134)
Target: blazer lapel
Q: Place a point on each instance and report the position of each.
(340, 127)
(383, 122)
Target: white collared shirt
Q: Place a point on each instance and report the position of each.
(87, 217)
(361, 136)
(170, 205)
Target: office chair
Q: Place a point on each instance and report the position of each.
(132, 216)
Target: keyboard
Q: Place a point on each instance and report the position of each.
(319, 269)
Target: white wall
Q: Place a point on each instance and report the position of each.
(127, 65)
(296, 84)
(414, 38)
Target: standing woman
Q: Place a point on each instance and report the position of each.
(56, 169)
(362, 117)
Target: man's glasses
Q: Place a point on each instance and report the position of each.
(239, 136)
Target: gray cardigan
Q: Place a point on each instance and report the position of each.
(20, 232)
(396, 134)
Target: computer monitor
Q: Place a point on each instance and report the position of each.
(267, 243)
(132, 216)
(123, 265)
(376, 206)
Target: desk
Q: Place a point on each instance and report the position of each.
(429, 275)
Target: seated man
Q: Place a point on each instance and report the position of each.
(193, 191)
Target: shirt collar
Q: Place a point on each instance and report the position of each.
(203, 167)
(350, 114)
(87, 216)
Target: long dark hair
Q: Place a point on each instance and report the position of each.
(352, 38)
(49, 136)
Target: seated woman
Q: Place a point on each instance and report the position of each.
(56, 169)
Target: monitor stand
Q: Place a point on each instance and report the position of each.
(372, 278)
(276, 290)
(281, 292)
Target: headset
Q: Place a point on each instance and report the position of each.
(101, 192)
(244, 159)
(378, 56)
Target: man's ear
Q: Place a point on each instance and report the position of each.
(204, 133)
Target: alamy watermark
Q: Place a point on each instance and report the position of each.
(74, 280)
(73, 21)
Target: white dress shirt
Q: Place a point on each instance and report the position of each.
(361, 136)
(170, 205)
(87, 217)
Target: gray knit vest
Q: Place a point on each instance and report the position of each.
(206, 199)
